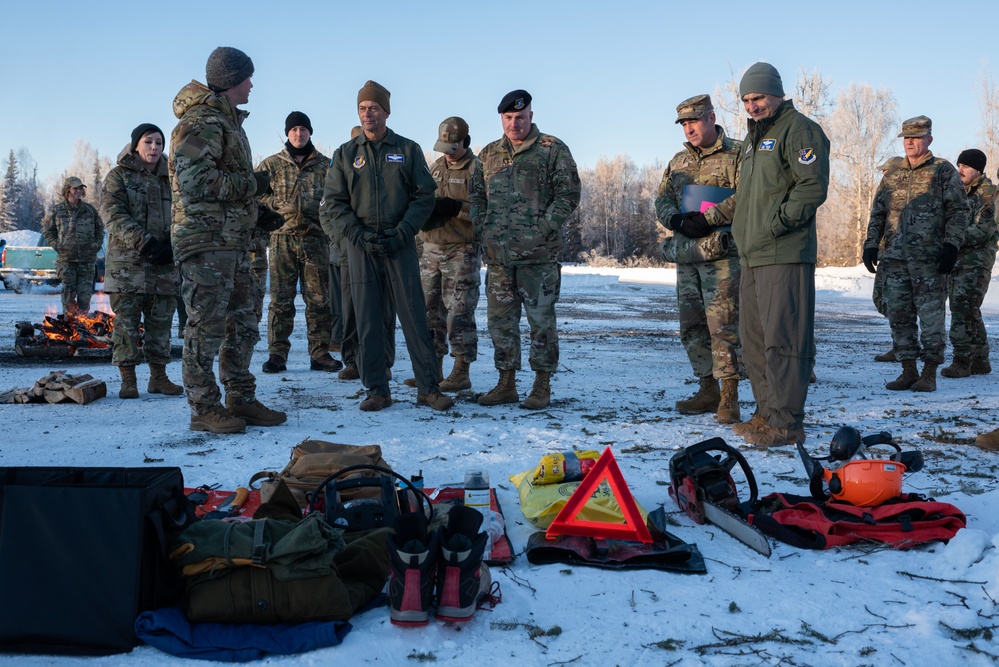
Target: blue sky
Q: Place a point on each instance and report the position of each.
(605, 76)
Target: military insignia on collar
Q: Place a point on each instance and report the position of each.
(806, 156)
(395, 157)
(768, 145)
(519, 104)
(358, 162)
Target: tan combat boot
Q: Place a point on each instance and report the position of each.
(375, 402)
(505, 390)
(159, 383)
(908, 377)
(960, 367)
(411, 382)
(887, 356)
(728, 406)
(254, 413)
(743, 428)
(706, 399)
(217, 419)
(928, 380)
(129, 386)
(541, 393)
(435, 400)
(989, 441)
(458, 379)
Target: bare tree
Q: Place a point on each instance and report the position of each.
(617, 218)
(988, 112)
(728, 105)
(811, 94)
(864, 124)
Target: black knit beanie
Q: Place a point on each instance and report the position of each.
(973, 158)
(143, 130)
(227, 67)
(296, 119)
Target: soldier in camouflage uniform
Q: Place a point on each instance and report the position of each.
(140, 276)
(877, 295)
(378, 194)
(76, 231)
(525, 189)
(214, 213)
(299, 251)
(920, 212)
(707, 261)
(450, 262)
(969, 281)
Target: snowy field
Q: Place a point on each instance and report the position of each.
(622, 369)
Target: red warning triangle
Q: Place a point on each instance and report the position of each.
(633, 528)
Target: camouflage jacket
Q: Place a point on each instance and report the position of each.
(137, 209)
(716, 165)
(76, 232)
(783, 179)
(982, 237)
(453, 180)
(298, 189)
(211, 170)
(917, 209)
(521, 196)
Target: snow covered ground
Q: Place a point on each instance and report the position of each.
(622, 370)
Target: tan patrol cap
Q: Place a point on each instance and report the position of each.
(72, 182)
(694, 108)
(920, 126)
(451, 135)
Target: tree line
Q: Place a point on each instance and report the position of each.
(616, 220)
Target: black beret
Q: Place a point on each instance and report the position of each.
(515, 100)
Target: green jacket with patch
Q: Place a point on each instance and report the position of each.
(298, 189)
(76, 232)
(136, 205)
(521, 196)
(211, 170)
(376, 185)
(783, 180)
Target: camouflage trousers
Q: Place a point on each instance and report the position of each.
(258, 267)
(450, 276)
(966, 288)
(299, 262)
(534, 288)
(77, 280)
(708, 298)
(777, 329)
(153, 313)
(877, 295)
(219, 293)
(915, 297)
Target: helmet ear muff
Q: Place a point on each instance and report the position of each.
(468, 141)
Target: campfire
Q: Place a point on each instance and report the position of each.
(67, 335)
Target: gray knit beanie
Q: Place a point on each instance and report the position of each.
(761, 78)
(227, 67)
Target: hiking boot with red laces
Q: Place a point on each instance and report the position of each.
(462, 578)
(413, 559)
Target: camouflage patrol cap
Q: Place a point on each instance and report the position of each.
(920, 126)
(72, 182)
(693, 108)
(451, 135)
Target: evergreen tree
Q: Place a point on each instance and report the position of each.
(9, 191)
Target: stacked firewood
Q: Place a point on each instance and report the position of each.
(58, 387)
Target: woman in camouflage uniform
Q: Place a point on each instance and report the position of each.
(140, 276)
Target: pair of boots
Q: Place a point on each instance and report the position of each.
(159, 383)
(456, 381)
(724, 403)
(505, 391)
(912, 379)
(963, 367)
(442, 569)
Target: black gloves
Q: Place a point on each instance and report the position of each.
(392, 240)
(694, 225)
(158, 253)
(674, 222)
(370, 243)
(268, 220)
(871, 259)
(447, 207)
(947, 259)
(263, 179)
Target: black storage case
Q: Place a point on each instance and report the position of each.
(82, 552)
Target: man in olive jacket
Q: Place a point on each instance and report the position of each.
(783, 180)
(378, 194)
(75, 229)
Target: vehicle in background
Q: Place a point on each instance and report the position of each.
(24, 266)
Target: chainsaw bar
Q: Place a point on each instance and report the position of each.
(737, 528)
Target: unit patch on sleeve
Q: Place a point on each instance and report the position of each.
(768, 145)
(806, 156)
(395, 157)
